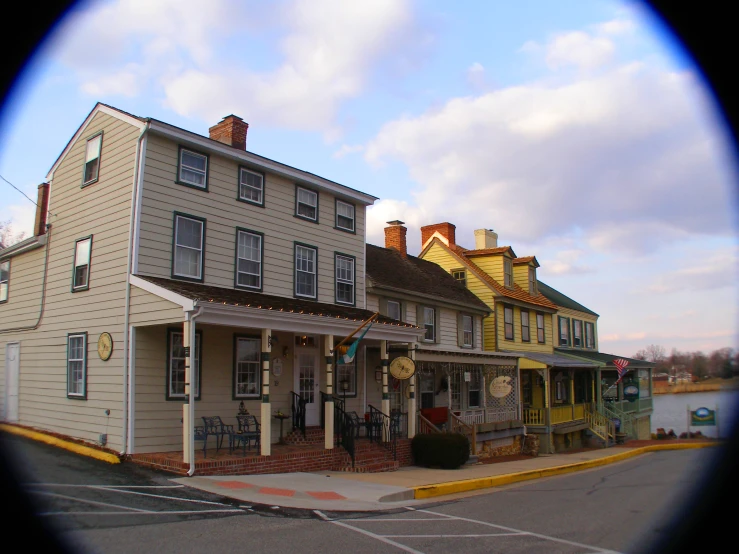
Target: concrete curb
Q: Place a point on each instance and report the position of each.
(452, 487)
(61, 443)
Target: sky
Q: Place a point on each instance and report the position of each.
(578, 130)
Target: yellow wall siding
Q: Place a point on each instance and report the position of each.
(517, 344)
(583, 316)
(101, 209)
(492, 265)
(223, 213)
(521, 276)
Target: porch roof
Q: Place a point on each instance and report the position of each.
(236, 307)
(453, 356)
(607, 359)
(555, 360)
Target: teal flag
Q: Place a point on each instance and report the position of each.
(349, 356)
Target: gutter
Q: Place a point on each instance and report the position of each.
(191, 399)
(30, 243)
(137, 177)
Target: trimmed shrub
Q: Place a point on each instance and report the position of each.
(444, 450)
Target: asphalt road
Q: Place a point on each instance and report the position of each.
(97, 507)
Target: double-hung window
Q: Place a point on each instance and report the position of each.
(393, 309)
(248, 351)
(429, 323)
(77, 365)
(473, 390)
(508, 322)
(189, 246)
(344, 279)
(564, 331)
(540, 336)
(4, 280)
(344, 216)
(193, 169)
(525, 330)
(576, 332)
(508, 272)
(92, 159)
(306, 204)
(468, 335)
(589, 335)
(346, 378)
(305, 271)
(81, 268)
(177, 359)
(251, 186)
(532, 281)
(249, 255)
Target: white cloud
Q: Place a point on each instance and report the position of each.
(618, 26)
(127, 82)
(715, 271)
(348, 149)
(579, 49)
(386, 210)
(566, 262)
(618, 155)
(476, 75)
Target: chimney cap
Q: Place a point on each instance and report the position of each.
(234, 116)
(395, 222)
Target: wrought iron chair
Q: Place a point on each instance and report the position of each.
(248, 430)
(395, 420)
(214, 426)
(201, 435)
(359, 423)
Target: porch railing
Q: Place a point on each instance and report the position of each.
(460, 426)
(474, 416)
(568, 412)
(298, 411)
(425, 427)
(344, 430)
(507, 413)
(638, 405)
(383, 429)
(627, 426)
(534, 416)
(600, 424)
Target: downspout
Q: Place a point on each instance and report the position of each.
(191, 406)
(131, 223)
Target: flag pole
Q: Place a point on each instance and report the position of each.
(372, 317)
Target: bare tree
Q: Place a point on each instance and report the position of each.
(7, 236)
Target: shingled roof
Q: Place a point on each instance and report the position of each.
(561, 300)
(386, 268)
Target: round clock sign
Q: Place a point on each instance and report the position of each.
(105, 346)
(402, 368)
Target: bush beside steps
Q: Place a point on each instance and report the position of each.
(444, 450)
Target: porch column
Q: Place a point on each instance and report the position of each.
(598, 396)
(385, 406)
(412, 417)
(328, 418)
(572, 393)
(187, 424)
(266, 411)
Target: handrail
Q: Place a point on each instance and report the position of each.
(425, 426)
(344, 430)
(627, 420)
(297, 410)
(384, 429)
(461, 424)
(600, 424)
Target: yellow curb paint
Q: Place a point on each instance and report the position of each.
(61, 443)
(452, 487)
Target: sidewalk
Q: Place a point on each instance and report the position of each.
(409, 486)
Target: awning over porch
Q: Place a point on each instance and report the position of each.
(605, 360)
(453, 356)
(221, 306)
(541, 360)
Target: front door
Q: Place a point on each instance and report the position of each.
(12, 373)
(307, 383)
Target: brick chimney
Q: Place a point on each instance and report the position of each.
(231, 130)
(444, 231)
(395, 237)
(485, 238)
(42, 208)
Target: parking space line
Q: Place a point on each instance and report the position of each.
(452, 536)
(520, 531)
(84, 501)
(106, 486)
(143, 513)
(398, 519)
(122, 491)
(370, 534)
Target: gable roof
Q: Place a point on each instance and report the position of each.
(386, 268)
(514, 293)
(561, 300)
(526, 260)
(487, 251)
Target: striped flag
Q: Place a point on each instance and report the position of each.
(352, 351)
(620, 364)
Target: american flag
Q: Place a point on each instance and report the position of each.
(620, 364)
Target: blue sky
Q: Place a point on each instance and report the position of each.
(578, 130)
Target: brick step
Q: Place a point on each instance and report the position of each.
(375, 467)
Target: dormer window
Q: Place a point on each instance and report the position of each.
(460, 275)
(508, 272)
(532, 281)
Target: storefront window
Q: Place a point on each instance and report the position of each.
(644, 382)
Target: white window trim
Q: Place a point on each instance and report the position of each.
(240, 232)
(471, 332)
(204, 186)
(527, 326)
(256, 364)
(513, 325)
(76, 263)
(298, 203)
(433, 324)
(4, 291)
(201, 265)
(242, 183)
(314, 273)
(353, 218)
(352, 367)
(97, 157)
(543, 329)
(83, 380)
(198, 360)
(575, 324)
(344, 281)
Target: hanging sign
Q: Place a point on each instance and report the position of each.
(277, 367)
(631, 391)
(703, 416)
(500, 387)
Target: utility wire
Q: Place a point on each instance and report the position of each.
(16, 188)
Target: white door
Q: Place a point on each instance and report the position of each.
(306, 384)
(12, 372)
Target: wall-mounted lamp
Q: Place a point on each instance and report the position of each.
(285, 350)
(272, 340)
